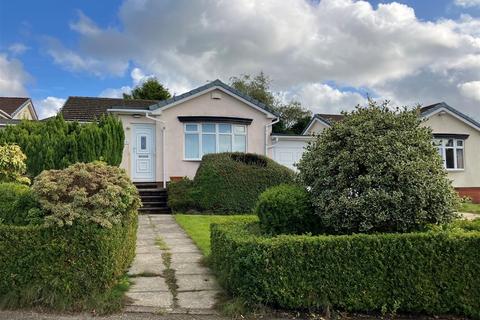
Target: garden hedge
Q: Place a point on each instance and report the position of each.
(56, 143)
(62, 267)
(231, 182)
(434, 272)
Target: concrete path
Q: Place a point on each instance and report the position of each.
(469, 216)
(167, 272)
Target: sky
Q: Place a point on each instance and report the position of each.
(330, 55)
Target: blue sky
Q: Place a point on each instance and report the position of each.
(58, 49)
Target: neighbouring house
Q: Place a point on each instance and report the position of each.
(14, 109)
(456, 136)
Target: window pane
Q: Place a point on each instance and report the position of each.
(437, 142)
(192, 150)
(143, 143)
(449, 143)
(460, 159)
(239, 129)
(239, 143)
(459, 143)
(208, 127)
(224, 143)
(208, 143)
(449, 161)
(225, 128)
(191, 127)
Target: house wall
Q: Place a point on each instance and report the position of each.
(316, 128)
(467, 180)
(202, 105)
(25, 113)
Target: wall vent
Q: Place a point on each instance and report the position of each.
(216, 95)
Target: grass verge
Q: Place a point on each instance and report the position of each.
(198, 227)
(470, 208)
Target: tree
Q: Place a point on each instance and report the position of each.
(257, 87)
(377, 170)
(149, 90)
(293, 117)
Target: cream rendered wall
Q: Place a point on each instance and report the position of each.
(129, 123)
(446, 123)
(204, 105)
(316, 128)
(25, 113)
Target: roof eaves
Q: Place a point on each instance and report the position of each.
(453, 110)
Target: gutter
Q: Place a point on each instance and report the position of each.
(266, 135)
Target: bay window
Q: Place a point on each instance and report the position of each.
(205, 138)
(452, 152)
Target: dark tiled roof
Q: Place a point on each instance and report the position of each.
(330, 118)
(216, 83)
(10, 104)
(86, 109)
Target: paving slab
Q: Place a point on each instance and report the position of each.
(196, 282)
(171, 242)
(189, 268)
(197, 300)
(146, 249)
(146, 242)
(184, 248)
(148, 284)
(187, 257)
(147, 263)
(158, 299)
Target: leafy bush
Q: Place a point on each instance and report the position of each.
(56, 144)
(232, 182)
(433, 272)
(285, 209)
(18, 205)
(180, 195)
(12, 164)
(84, 248)
(377, 170)
(91, 192)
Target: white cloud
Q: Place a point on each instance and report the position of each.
(470, 89)
(13, 77)
(298, 43)
(48, 107)
(138, 77)
(468, 3)
(322, 98)
(17, 48)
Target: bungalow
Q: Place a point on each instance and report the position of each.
(13, 110)
(165, 140)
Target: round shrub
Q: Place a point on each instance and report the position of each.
(232, 182)
(93, 192)
(180, 195)
(285, 209)
(18, 205)
(12, 164)
(377, 170)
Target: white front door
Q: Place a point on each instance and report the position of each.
(143, 153)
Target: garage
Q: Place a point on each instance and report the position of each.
(288, 149)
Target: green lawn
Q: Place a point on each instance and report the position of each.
(470, 207)
(198, 227)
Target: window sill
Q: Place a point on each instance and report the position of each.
(455, 170)
(192, 160)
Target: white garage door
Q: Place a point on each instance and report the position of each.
(288, 153)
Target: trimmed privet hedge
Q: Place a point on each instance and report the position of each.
(229, 183)
(435, 272)
(61, 268)
(56, 144)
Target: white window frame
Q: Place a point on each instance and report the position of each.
(217, 134)
(443, 152)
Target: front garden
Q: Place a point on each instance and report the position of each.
(367, 225)
(67, 238)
